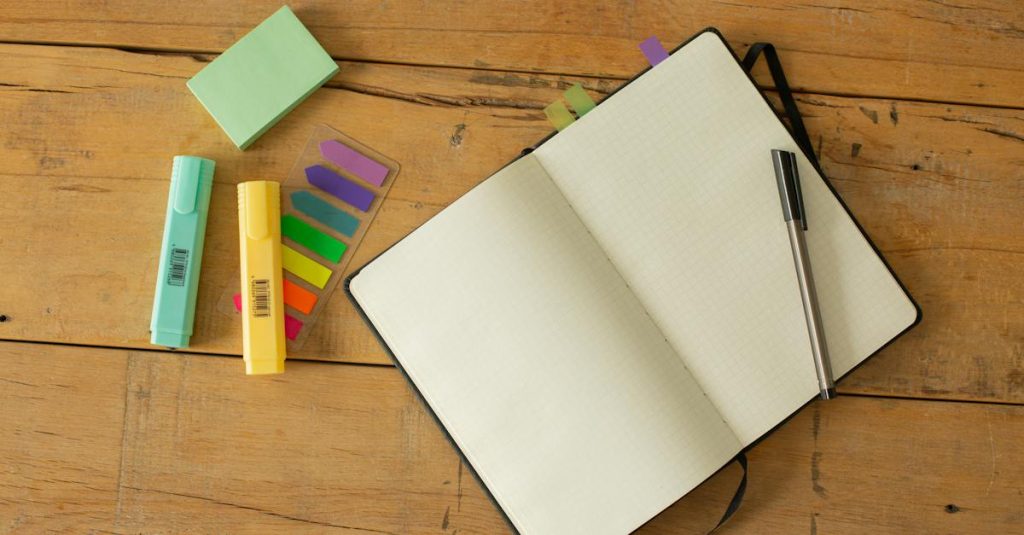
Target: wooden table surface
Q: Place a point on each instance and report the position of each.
(916, 109)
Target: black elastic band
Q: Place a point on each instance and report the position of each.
(737, 498)
(785, 93)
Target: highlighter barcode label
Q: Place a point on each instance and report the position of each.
(260, 292)
(179, 261)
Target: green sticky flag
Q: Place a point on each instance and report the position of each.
(324, 212)
(579, 100)
(309, 237)
(249, 87)
(559, 115)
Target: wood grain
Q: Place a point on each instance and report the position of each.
(128, 442)
(89, 134)
(125, 441)
(63, 413)
(937, 189)
(965, 51)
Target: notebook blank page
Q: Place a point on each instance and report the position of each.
(540, 362)
(673, 177)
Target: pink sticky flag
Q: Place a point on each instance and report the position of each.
(653, 50)
(292, 325)
(349, 160)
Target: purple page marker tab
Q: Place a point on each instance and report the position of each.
(348, 159)
(340, 187)
(653, 50)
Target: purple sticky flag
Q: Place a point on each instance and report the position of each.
(340, 187)
(653, 50)
(345, 157)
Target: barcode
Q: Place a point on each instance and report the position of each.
(260, 292)
(179, 261)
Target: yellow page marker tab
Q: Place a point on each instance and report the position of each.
(304, 268)
(559, 115)
(579, 100)
(259, 238)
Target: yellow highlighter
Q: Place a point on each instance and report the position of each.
(259, 237)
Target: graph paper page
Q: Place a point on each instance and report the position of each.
(541, 363)
(673, 177)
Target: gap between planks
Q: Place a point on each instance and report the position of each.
(198, 55)
(192, 353)
(189, 352)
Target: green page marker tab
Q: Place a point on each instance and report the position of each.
(305, 235)
(325, 212)
(262, 77)
(559, 115)
(579, 100)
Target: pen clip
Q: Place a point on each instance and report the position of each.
(787, 177)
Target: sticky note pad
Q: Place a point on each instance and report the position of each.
(353, 162)
(304, 267)
(340, 187)
(324, 212)
(559, 115)
(309, 237)
(259, 79)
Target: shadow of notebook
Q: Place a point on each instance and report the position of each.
(604, 323)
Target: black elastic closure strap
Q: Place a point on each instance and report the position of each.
(737, 498)
(796, 122)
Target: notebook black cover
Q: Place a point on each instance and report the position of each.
(810, 157)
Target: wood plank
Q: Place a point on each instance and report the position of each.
(325, 446)
(939, 189)
(950, 226)
(319, 447)
(967, 51)
(61, 414)
(103, 161)
(869, 465)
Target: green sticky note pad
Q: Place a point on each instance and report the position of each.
(309, 237)
(262, 77)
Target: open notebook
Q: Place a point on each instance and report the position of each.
(605, 322)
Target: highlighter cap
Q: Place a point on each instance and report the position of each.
(181, 252)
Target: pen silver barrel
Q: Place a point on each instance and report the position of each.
(788, 179)
(805, 278)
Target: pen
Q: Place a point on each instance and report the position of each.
(259, 236)
(796, 222)
(177, 280)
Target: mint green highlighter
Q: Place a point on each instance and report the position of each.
(177, 281)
